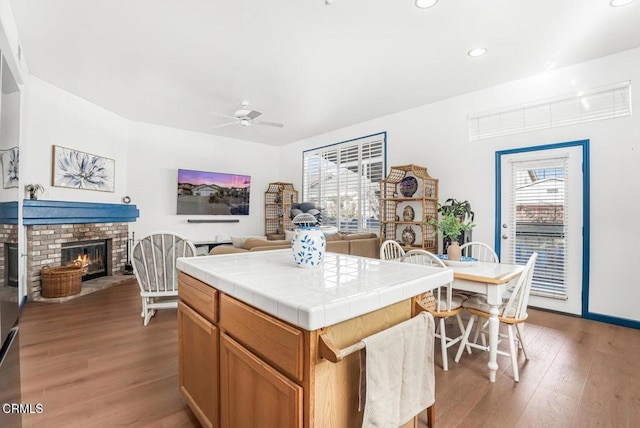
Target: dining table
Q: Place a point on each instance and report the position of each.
(491, 280)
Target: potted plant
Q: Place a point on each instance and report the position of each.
(33, 190)
(460, 209)
(451, 227)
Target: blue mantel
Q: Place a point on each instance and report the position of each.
(37, 212)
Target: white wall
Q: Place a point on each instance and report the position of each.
(156, 153)
(55, 117)
(436, 136)
(147, 158)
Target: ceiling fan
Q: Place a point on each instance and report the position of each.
(245, 116)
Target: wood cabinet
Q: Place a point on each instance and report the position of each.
(277, 206)
(254, 394)
(241, 367)
(199, 349)
(198, 375)
(408, 198)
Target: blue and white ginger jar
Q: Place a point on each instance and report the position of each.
(308, 246)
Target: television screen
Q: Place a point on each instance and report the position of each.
(212, 193)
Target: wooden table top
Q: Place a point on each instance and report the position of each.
(489, 273)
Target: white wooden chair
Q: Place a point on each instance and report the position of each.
(512, 313)
(447, 304)
(391, 250)
(480, 251)
(483, 253)
(154, 264)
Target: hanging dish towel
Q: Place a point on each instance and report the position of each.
(397, 379)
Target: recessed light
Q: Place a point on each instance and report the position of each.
(425, 4)
(618, 3)
(477, 52)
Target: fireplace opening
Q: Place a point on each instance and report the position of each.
(92, 255)
(11, 264)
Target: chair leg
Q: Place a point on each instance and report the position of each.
(462, 330)
(519, 329)
(443, 345)
(465, 338)
(513, 348)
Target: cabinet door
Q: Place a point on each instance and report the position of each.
(253, 393)
(199, 347)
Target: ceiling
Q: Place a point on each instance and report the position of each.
(311, 66)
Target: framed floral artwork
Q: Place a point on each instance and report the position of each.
(10, 167)
(80, 170)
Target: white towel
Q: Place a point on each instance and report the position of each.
(397, 379)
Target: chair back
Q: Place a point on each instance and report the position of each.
(422, 257)
(425, 258)
(391, 250)
(154, 261)
(516, 306)
(480, 251)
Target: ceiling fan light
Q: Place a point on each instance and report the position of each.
(618, 3)
(479, 51)
(425, 4)
(244, 122)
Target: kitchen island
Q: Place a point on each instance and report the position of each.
(251, 329)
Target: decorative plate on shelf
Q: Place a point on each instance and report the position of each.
(408, 236)
(408, 214)
(408, 186)
(464, 260)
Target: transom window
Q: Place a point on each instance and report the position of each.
(344, 178)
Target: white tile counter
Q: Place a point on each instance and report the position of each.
(343, 288)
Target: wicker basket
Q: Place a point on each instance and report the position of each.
(61, 281)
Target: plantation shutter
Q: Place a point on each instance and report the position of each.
(344, 179)
(539, 210)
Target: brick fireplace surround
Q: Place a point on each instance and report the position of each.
(49, 224)
(44, 244)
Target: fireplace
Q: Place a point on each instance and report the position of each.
(92, 254)
(11, 264)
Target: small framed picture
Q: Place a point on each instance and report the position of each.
(10, 167)
(80, 170)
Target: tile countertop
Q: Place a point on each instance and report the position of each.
(344, 287)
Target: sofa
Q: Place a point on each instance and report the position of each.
(357, 244)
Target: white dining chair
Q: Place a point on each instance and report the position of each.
(391, 250)
(154, 264)
(480, 251)
(512, 313)
(441, 304)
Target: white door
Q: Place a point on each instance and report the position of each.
(541, 210)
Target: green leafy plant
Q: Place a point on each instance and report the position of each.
(451, 226)
(459, 209)
(33, 190)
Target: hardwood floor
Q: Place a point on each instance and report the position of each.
(91, 363)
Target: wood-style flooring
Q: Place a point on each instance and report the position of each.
(91, 363)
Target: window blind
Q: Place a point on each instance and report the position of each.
(584, 106)
(539, 216)
(345, 179)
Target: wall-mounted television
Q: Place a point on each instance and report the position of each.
(212, 193)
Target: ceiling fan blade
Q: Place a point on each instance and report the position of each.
(225, 124)
(253, 114)
(226, 116)
(260, 122)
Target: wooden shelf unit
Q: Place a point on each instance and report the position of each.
(277, 205)
(424, 203)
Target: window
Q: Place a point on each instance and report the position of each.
(584, 106)
(541, 222)
(344, 178)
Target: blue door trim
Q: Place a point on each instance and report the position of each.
(585, 223)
